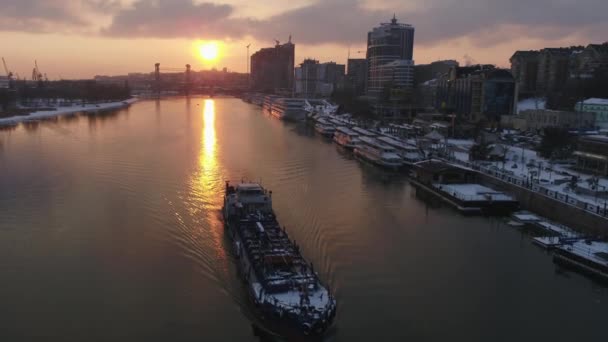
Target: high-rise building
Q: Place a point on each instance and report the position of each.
(398, 74)
(314, 79)
(477, 92)
(554, 67)
(524, 67)
(541, 72)
(593, 59)
(386, 44)
(357, 74)
(272, 69)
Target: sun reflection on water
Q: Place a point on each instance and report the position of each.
(208, 156)
(208, 183)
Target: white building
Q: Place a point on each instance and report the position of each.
(597, 106)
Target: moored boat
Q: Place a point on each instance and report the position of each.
(284, 287)
(325, 128)
(346, 137)
(375, 152)
(409, 153)
(363, 132)
(290, 109)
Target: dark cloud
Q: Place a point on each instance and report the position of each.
(329, 21)
(494, 21)
(483, 22)
(487, 22)
(37, 15)
(103, 6)
(176, 19)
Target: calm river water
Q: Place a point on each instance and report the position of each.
(110, 231)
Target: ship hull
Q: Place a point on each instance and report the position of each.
(375, 161)
(289, 115)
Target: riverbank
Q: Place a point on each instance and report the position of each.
(88, 108)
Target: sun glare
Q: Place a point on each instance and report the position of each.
(209, 51)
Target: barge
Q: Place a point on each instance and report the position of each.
(282, 285)
(459, 188)
(587, 256)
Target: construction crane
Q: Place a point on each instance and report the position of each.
(8, 73)
(37, 75)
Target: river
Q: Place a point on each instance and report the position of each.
(110, 231)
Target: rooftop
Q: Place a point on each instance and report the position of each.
(595, 101)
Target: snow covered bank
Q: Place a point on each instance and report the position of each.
(67, 110)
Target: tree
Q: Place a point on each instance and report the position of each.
(480, 151)
(350, 103)
(557, 143)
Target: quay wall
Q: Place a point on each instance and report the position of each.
(572, 216)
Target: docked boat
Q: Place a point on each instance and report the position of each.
(378, 153)
(285, 288)
(346, 137)
(587, 256)
(325, 128)
(290, 109)
(268, 103)
(319, 107)
(410, 154)
(363, 132)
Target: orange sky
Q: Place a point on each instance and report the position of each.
(103, 45)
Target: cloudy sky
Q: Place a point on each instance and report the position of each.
(82, 38)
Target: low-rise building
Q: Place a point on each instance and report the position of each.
(597, 106)
(539, 119)
(427, 72)
(592, 154)
(427, 94)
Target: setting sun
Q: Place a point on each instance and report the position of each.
(209, 51)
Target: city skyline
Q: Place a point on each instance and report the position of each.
(83, 38)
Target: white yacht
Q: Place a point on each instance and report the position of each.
(376, 152)
(289, 109)
(325, 128)
(346, 137)
(410, 154)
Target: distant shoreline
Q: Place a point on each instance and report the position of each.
(88, 108)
